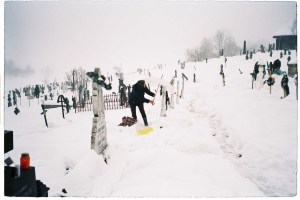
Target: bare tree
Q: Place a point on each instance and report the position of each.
(83, 79)
(230, 46)
(77, 77)
(211, 48)
(219, 40)
(207, 49)
(191, 55)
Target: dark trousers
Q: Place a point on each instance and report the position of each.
(141, 108)
(286, 90)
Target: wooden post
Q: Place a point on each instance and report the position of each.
(44, 113)
(163, 102)
(157, 90)
(166, 100)
(182, 87)
(244, 48)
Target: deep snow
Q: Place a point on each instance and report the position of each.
(230, 141)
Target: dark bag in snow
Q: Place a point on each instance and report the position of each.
(127, 121)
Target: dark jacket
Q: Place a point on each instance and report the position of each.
(256, 66)
(136, 97)
(284, 81)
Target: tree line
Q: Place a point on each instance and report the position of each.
(221, 44)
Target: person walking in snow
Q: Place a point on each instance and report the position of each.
(137, 99)
(284, 85)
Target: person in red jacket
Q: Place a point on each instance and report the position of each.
(137, 99)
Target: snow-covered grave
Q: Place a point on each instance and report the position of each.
(217, 141)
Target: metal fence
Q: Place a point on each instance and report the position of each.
(83, 107)
(114, 101)
(111, 102)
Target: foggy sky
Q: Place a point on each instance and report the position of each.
(104, 34)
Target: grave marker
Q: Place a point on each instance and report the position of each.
(61, 100)
(98, 136)
(163, 103)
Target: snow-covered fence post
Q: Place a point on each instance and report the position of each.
(98, 136)
(163, 103)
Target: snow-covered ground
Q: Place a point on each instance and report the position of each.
(231, 141)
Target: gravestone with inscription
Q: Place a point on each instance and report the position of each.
(98, 137)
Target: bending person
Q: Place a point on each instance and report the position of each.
(137, 99)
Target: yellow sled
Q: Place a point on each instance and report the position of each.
(144, 130)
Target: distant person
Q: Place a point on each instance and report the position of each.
(255, 71)
(275, 68)
(137, 99)
(284, 85)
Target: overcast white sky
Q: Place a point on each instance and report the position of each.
(45, 36)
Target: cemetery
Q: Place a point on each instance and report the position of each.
(94, 131)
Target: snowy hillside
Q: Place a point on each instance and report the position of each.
(218, 141)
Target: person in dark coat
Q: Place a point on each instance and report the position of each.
(137, 99)
(255, 71)
(284, 85)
